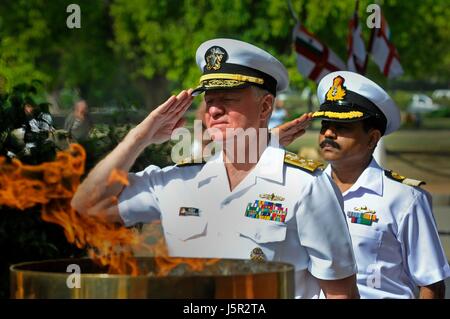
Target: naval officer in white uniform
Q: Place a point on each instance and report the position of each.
(394, 234)
(278, 207)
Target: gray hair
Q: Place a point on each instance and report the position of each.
(259, 92)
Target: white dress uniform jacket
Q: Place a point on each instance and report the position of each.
(399, 249)
(313, 236)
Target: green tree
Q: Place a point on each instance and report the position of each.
(35, 43)
(160, 37)
(136, 52)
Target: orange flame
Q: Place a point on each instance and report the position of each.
(53, 185)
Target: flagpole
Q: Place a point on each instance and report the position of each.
(291, 9)
(369, 50)
(356, 6)
(369, 46)
(355, 19)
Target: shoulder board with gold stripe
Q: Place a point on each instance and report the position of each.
(190, 161)
(301, 162)
(402, 179)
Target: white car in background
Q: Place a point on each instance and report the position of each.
(441, 94)
(421, 103)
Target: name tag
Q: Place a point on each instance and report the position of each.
(189, 211)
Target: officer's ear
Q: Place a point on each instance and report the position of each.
(266, 106)
(374, 137)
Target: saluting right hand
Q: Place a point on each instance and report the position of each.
(160, 123)
(289, 131)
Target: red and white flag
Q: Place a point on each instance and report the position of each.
(314, 59)
(355, 45)
(384, 53)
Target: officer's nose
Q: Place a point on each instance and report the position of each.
(328, 131)
(215, 111)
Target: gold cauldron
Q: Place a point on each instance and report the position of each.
(227, 278)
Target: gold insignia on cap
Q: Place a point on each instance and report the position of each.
(214, 58)
(338, 115)
(221, 83)
(257, 255)
(337, 91)
(272, 197)
(229, 76)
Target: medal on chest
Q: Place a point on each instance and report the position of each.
(362, 215)
(267, 209)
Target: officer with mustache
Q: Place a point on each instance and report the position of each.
(394, 234)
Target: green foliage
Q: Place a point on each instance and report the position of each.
(68, 97)
(148, 33)
(36, 43)
(402, 99)
(445, 102)
(104, 138)
(135, 52)
(442, 112)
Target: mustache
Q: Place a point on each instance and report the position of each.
(330, 142)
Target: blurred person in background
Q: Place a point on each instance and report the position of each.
(36, 133)
(79, 122)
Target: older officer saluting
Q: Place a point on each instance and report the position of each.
(394, 234)
(277, 207)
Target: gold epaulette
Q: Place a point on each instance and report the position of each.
(189, 161)
(402, 179)
(301, 162)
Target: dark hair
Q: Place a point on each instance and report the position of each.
(376, 123)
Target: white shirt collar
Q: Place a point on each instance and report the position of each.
(370, 179)
(270, 165)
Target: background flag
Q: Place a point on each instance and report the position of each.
(384, 53)
(314, 59)
(355, 45)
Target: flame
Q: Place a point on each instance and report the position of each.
(53, 185)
